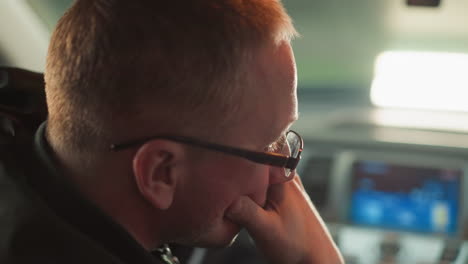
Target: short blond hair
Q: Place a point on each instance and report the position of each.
(116, 66)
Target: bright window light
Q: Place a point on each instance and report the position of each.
(421, 80)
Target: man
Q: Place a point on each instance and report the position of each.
(168, 123)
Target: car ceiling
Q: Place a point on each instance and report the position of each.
(337, 48)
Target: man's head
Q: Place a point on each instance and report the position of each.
(220, 71)
(118, 69)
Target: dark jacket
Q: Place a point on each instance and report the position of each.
(43, 218)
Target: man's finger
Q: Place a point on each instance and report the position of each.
(248, 214)
(298, 179)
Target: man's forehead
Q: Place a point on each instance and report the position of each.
(266, 122)
(269, 103)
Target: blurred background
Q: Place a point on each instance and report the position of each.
(383, 90)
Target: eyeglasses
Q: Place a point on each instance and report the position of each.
(287, 157)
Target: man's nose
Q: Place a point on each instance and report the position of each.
(278, 175)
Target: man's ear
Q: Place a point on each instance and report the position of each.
(154, 168)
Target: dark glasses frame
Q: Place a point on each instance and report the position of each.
(268, 158)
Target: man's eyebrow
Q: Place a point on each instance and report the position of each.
(276, 137)
(293, 119)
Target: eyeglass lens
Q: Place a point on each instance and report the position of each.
(293, 145)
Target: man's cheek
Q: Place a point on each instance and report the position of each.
(258, 191)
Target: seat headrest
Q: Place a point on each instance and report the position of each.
(22, 99)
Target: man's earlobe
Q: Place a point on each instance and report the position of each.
(155, 176)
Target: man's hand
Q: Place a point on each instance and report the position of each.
(288, 230)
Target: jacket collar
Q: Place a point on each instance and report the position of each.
(69, 204)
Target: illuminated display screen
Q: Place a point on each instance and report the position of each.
(405, 198)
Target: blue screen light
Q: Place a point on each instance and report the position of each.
(405, 198)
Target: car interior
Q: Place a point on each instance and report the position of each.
(383, 88)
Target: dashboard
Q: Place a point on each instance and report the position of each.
(390, 193)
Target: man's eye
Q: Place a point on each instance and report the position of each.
(276, 146)
(272, 147)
